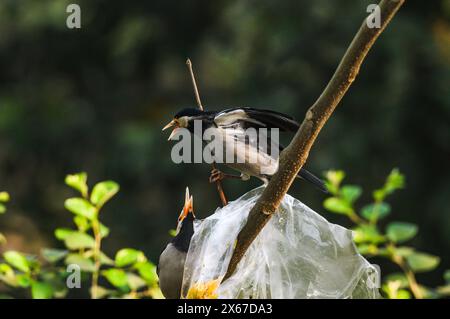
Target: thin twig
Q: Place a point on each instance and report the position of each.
(223, 198)
(295, 155)
(194, 84)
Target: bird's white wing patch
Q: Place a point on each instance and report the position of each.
(233, 117)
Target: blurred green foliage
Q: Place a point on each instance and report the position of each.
(129, 275)
(4, 197)
(95, 100)
(372, 242)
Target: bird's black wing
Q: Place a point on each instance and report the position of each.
(310, 177)
(257, 118)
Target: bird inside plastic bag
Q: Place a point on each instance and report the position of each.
(298, 254)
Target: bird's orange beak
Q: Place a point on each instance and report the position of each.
(188, 206)
(174, 123)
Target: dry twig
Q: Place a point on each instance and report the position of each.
(200, 106)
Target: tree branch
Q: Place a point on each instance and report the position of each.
(295, 155)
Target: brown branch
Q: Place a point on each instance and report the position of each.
(222, 196)
(194, 84)
(295, 155)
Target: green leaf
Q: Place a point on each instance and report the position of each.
(172, 232)
(128, 256)
(333, 180)
(447, 275)
(62, 233)
(77, 240)
(403, 251)
(7, 275)
(2, 208)
(335, 177)
(351, 193)
(104, 231)
(379, 195)
(399, 232)
(56, 279)
(337, 205)
(147, 270)
(135, 282)
(105, 260)
(53, 255)
(443, 290)
(367, 249)
(82, 207)
(403, 294)
(367, 234)
(6, 269)
(17, 260)
(422, 262)
(117, 277)
(102, 292)
(82, 223)
(78, 182)
(4, 197)
(41, 290)
(400, 278)
(428, 293)
(23, 280)
(85, 264)
(373, 212)
(394, 181)
(103, 192)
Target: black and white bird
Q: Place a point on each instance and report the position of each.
(170, 268)
(232, 124)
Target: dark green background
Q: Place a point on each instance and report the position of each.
(95, 100)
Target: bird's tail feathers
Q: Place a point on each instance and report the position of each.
(310, 177)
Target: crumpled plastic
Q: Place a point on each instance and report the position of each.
(298, 254)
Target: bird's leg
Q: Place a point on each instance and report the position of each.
(217, 175)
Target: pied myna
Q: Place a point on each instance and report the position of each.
(234, 122)
(171, 262)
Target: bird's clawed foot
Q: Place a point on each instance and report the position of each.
(216, 175)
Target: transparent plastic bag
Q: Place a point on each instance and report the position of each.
(298, 254)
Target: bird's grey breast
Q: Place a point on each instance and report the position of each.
(171, 269)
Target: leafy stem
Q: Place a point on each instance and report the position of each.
(129, 275)
(371, 241)
(413, 285)
(96, 256)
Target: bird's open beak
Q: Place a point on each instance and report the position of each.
(174, 124)
(188, 206)
(171, 123)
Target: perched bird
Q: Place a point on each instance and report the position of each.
(171, 261)
(234, 122)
